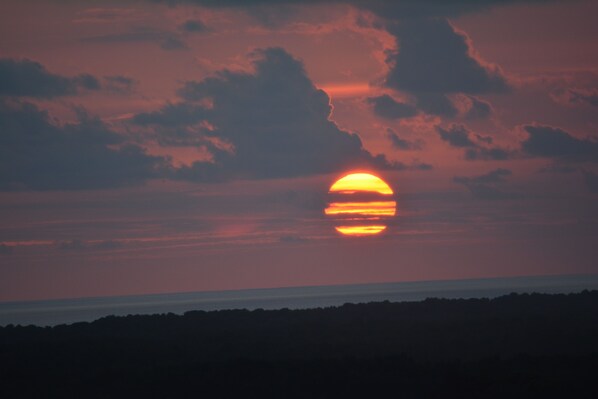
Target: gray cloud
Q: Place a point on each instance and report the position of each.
(387, 107)
(173, 43)
(37, 154)
(476, 147)
(119, 84)
(275, 120)
(436, 104)
(479, 109)
(383, 8)
(434, 58)
(5, 249)
(179, 114)
(401, 143)
(591, 180)
(193, 26)
(486, 186)
(166, 40)
(484, 154)
(578, 96)
(552, 142)
(79, 245)
(26, 78)
(456, 136)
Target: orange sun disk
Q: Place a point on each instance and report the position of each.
(354, 216)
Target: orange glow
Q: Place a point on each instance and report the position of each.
(378, 208)
(347, 90)
(360, 230)
(355, 182)
(377, 203)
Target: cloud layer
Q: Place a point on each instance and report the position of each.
(26, 78)
(37, 154)
(267, 124)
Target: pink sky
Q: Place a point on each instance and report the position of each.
(502, 181)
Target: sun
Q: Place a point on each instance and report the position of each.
(360, 204)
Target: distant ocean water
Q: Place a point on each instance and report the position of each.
(66, 311)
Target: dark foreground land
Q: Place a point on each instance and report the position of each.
(513, 346)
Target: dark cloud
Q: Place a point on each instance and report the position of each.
(486, 186)
(26, 78)
(552, 142)
(456, 136)
(476, 147)
(274, 121)
(401, 143)
(289, 239)
(173, 43)
(193, 26)
(478, 109)
(179, 114)
(485, 154)
(166, 40)
(37, 154)
(433, 57)
(589, 97)
(119, 84)
(384, 8)
(591, 180)
(559, 168)
(387, 107)
(436, 104)
(5, 249)
(79, 245)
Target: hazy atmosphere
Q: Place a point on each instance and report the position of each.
(172, 146)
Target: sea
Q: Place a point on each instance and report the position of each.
(68, 311)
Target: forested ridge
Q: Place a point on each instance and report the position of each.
(519, 345)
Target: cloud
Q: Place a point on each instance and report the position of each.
(166, 40)
(581, 96)
(37, 154)
(478, 109)
(456, 136)
(79, 245)
(387, 107)
(486, 186)
(591, 180)
(105, 15)
(27, 78)
(401, 143)
(173, 43)
(383, 8)
(267, 124)
(476, 147)
(433, 57)
(556, 143)
(119, 84)
(171, 115)
(193, 26)
(436, 104)
(6, 249)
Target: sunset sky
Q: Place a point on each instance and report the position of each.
(168, 146)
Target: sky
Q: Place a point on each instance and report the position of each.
(152, 146)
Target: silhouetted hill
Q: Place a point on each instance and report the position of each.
(512, 346)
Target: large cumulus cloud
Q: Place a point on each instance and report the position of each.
(27, 78)
(36, 153)
(270, 123)
(433, 57)
(558, 144)
(477, 147)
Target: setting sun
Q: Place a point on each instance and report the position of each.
(360, 202)
(355, 182)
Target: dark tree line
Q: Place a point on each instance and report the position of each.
(513, 346)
